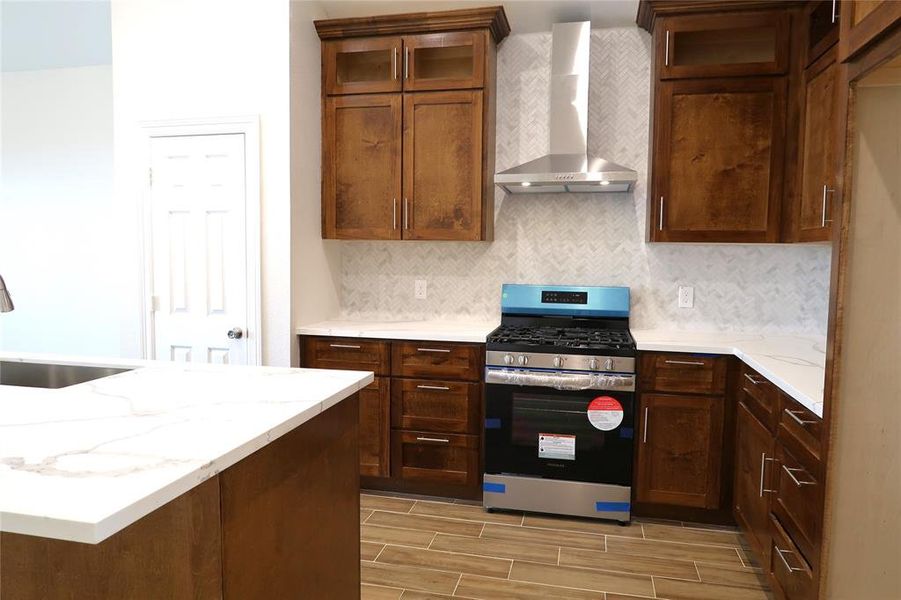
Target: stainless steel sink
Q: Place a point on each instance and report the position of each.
(49, 375)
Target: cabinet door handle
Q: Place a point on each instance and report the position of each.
(798, 420)
(693, 363)
(834, 11)
(782, 554)
(406, 214)
(442, 388)
(431, 439)
(826, 192)
(790, 472)
(763, 461)
(644, 435)
(349, 346)
(752, 380)
(406, 63)
(394, 212)
(660, 216)
(666, 50)
(394, 63)
(442, 350)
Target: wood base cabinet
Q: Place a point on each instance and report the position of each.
(754, 465)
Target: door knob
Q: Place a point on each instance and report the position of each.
(236, 333)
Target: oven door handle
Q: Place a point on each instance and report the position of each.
(561, 381)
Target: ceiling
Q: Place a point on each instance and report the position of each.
(42, 34)
(525, 16)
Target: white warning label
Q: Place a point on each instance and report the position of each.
(560, 447)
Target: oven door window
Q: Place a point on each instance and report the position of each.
(544, 433)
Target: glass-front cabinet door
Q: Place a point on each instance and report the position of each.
(363, 65)
(444, 61)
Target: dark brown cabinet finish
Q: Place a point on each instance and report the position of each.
(798, 502)
(754, 466)
(682, 373)
(375, 428)
(442, 165)
(723, 45)
(361, 163)
(818, 147)
(864, 22)
(680, 450)
(792, 577)
(759, 396)
(822, 18)
(435, 405)
(718, 160)
(437, 359)
(444, 61)
(352, 354)
(362, 65)
(429, 457)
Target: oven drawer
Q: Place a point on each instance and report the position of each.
(682, 373)
(431, 359)
(436, 405)
(760, 396)
(792, 573)
(346, 353)
(426, 456)
(798, 502)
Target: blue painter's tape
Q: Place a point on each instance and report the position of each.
(492, 423)
(494, 488)
(626, 433)
(612, 506)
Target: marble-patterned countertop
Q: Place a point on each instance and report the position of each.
(83, 462)
(796, 364)
(431, 330)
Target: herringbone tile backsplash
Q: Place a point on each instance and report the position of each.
(585, 239)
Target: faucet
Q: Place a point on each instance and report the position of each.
(6, 303)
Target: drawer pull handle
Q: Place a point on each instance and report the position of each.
(644, 435)
(693, 363)
(782, 554)
(443, 388)
(431, 439)
(442, 350)
(350, 346)
(763, 461)
(793, 414)
(752, 380)
(790, 471)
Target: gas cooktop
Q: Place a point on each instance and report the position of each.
(583, 338)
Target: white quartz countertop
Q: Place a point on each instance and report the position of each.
(431, 330)
(83, 462)
(796, 364)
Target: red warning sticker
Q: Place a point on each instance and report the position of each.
(605, 413)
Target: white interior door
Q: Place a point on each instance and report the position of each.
(199, 249)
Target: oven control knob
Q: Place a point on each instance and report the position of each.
(523, 359)
(593, 364)
(508, 359)
(608, 365)
(558, 361)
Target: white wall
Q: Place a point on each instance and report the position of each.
(58, 238)
(203, 58)
(317, 263)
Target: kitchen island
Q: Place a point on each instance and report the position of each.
(175, 481)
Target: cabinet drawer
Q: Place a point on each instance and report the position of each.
(791, 572)
(423, 456)
(801, 430)
(798, 502)
(760, 396)
(427, 404)
(430, 359)
(685, 373)
(346, 353)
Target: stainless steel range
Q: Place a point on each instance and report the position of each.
(560, 402)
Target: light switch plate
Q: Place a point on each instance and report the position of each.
(420, 289)
(686, 296)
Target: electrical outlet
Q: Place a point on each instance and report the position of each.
(420, 289)
(686, 296)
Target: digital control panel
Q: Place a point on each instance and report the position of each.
(561, 297)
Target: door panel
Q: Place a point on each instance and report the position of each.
(444, 61)
(675, 466)
(754, 465)
(375, 428)
(442, 165)
(362, 65)
(361, 184)
(197, 206)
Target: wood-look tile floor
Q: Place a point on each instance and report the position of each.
(415, 549)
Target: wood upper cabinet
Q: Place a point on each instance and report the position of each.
(718, 160)
(444, 61)
(442, 165)
(680, 450)
(864, 22)
(821, 20)
(815, 205)
(362, 65)
(754, 468)
(723, 45)
(361, 164)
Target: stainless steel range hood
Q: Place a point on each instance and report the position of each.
(568, 168)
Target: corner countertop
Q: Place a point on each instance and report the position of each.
(796, 364)
(83, 462)
(431, 330)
